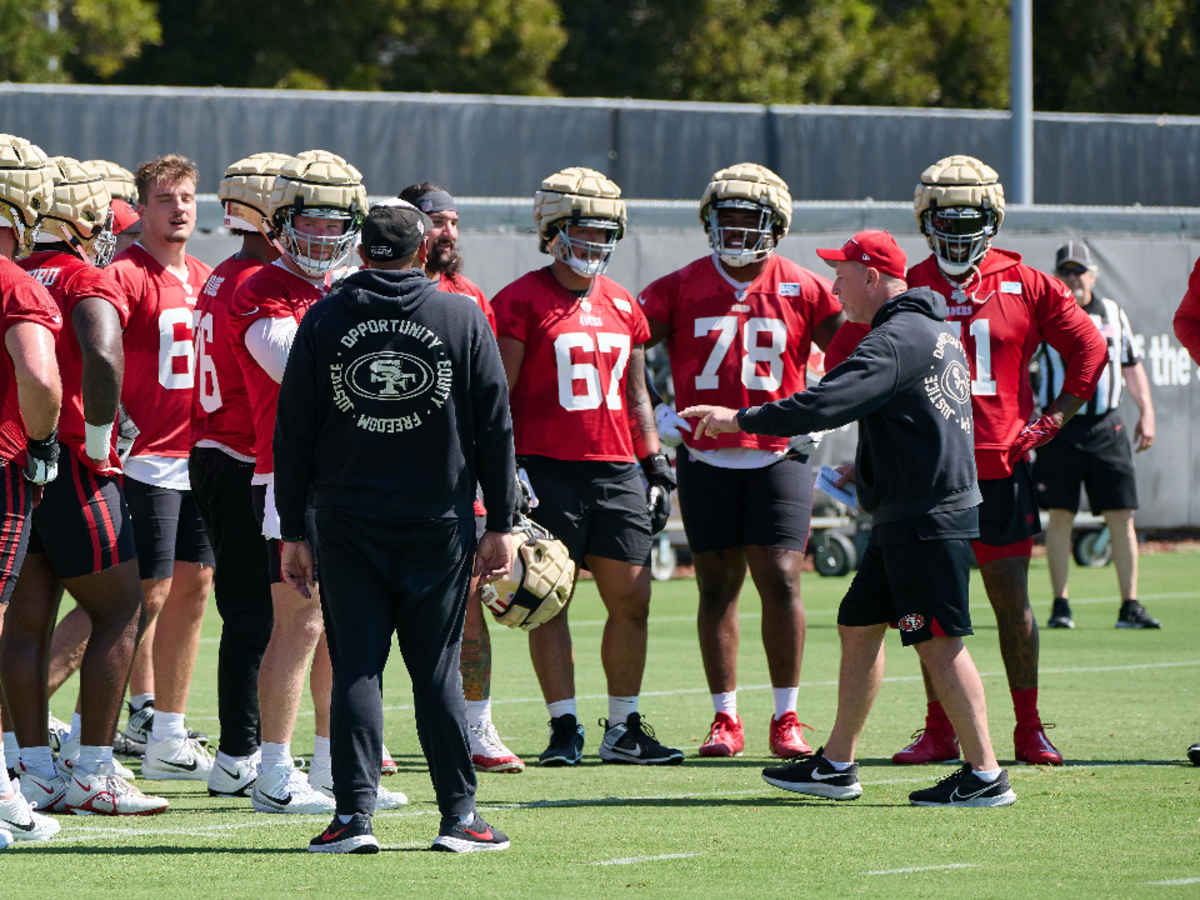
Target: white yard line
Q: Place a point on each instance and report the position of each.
(911, 869)
(1174, 882)
(631, 860)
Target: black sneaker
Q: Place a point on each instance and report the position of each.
(1194, 753)
(354, 836)
(566, 742)
(816, 777)
(1060, 615)
(632, 741)
(964, 788)
(1134, 615)
(455, 837)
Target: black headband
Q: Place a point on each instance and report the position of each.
(434, 202)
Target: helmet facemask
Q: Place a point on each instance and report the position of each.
(959, 235)
(585, 258)
(741, 245)
(317, 255)
(104, 243)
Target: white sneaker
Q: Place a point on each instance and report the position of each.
(18, 818)
(108, 794)
(176, 759)
(66, 765)
(282, 789)
(322, 780)
(238, 781)
(57, 732)
(45, 794)
(488, 752)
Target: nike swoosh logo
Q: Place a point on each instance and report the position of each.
(233, 775)
(186, 767)
(26, 827)
(482, 835)
(827, 776)
(42, 786)
(283, 802)
(334, 835)
(957, 795)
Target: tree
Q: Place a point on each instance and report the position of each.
(93, 38)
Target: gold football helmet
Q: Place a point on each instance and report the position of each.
(585, 197)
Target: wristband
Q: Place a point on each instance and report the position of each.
(97, 440)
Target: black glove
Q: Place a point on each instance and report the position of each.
(41, 459)
(661, 481)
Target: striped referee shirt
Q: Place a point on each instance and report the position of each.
(1113, 325)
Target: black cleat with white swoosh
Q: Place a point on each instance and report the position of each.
(816, 777)
(964, 788)
(633, 741)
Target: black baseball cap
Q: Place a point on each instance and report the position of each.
(1076, 252)
(393, 231)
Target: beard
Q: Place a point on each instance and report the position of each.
(444, 259)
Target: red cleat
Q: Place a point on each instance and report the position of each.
(388, 766)
(725, 737)
(1032, 745)
(928, 747)
(787, 738)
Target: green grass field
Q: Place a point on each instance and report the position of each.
(1121, 818)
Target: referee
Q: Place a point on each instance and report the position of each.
(1093, 448)
(393, 405)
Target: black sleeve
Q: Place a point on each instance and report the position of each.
(863, 383)
(495, 458)
(296, 427)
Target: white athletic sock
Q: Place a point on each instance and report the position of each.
(479, 712)
(12, 750)
(467, 818)
(5, 784)
(562, 708)
(276, 755)
(167, 725)
(39, 761)
(94, 759)
(988, 775)
(321, 758)
(620, 708)
(137, 701)
(840, 766)
(76, 728)
(725, 702)
(785, 699)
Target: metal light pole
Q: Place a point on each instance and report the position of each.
(1021, 99)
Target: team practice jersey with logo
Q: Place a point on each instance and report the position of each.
(569, 400)
(21, 300)
(273, 292)
(220, 404)
(1004, 313)
(738, 345)
(160, 362)
(70, 279)
(461, 284)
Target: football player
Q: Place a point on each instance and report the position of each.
(162, 283)
(739, 324)
(571, 341)
(82, 537)
(314, 216)
(1004, 309)
(443, 264)
(220, 468)
(30, 400)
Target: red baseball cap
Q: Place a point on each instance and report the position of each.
(124, 215)
(877, 249)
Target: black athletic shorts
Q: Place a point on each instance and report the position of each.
(83, 523)
(16, 501)
(595, 508)
(765, 507)
(167, 528)
(920, 586)
(258, 496)
(1092, 451)
(1009, 513)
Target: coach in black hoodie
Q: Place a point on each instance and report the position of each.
(909, 387)
(393, 405)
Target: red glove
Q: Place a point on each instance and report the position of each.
(1035, 434)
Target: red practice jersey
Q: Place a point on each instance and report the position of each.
(69, 279)
(272, 292)
(1187, 317)
(738, 347)
(1004, 313)
(220, 404)
(159, 353)
(569, 399)
(21, 300)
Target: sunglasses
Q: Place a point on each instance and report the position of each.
(1071, 269)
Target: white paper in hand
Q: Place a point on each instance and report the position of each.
(826, 482)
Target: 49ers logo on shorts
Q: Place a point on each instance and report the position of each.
(912, 622)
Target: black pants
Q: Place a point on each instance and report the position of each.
(410, 579)
(221, 488)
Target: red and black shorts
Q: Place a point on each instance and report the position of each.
(167, 528)
(16, 501)
(1008, 518)
(765, 507)
(83, 524)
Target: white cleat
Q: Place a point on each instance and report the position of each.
(235, 781)
(282, 789)
(176, 759)
(388, 765)
(18, 818)
(45, 794)
(322, 780)
(108, 794)
(488, 752)
(57, 733)
(66, 765)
